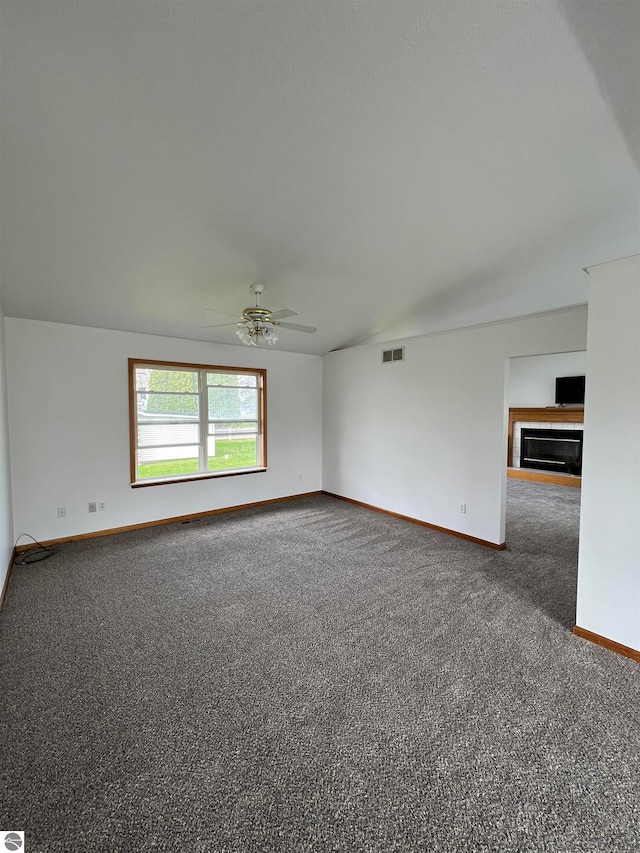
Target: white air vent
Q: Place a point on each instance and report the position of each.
(389, 355)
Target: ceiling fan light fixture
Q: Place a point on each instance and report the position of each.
(251, 333)
(243, 333)
(268, 333)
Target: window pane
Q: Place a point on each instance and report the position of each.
(154, 379)
(227, 429)
(167, 406)
(167, 462)
(150, 435)
(242, 380)
(228, 453)
(231, 403)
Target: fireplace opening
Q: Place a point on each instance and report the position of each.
(557, 450)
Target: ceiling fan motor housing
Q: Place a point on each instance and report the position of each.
(256, 313)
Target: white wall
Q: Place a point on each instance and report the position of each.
(69, 428)
(532, 379)
(6, 512)
(609, 560)
(404, 436)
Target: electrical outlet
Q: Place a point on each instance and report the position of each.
(102, 505)
(93, 507)
(300, 476)
(62, 512)
(463, 508)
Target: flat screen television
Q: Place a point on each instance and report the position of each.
(569, 390)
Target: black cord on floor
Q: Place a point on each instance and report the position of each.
(35, 554)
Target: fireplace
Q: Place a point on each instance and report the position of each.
(558, 450)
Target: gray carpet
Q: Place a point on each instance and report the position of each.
(314, 676)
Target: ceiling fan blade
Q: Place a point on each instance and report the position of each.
(217, 310)
(297, 327)
(283, 313)
(219, 325)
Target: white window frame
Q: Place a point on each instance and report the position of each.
(201, 370)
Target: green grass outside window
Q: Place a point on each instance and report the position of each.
(230, 454)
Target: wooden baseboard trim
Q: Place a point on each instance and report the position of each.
(6, 577)
(611, 645)
(542, 477)
(484, 542)
(156, 523)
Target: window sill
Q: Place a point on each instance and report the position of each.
(210, 475)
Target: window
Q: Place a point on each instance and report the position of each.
(190, 421)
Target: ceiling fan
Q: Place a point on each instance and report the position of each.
(258, 323)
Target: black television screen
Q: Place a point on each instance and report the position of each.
(569, 390)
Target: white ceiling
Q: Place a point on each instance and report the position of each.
(384, 168)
